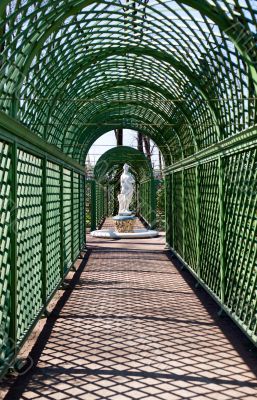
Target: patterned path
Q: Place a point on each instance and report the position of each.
(135, 327)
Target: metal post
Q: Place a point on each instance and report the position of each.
(82, 220)
(167, 211)
(221, 223)
(183, 211)
(153, 185)
(84, 208)
(44, 227)
(72, 215)
(172, 211)
(93, 205)
(197, 204)
(61, 225)
(13, 237)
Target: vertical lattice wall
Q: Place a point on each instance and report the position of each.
(190, 219)
(29, 240)
(101, 202)
(147, 201)
(212, 225)
(160, 205)
(5, 238)
(240, 243)
(89, 207)
(42, 225)
(111, 199)
(53, 220)
(67, 217)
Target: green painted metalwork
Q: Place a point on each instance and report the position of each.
(30, 254)
(181, 72)
(44, 230)
(62, 255)
(159, 200)
(67, 217)
(54, 258)
(190, 218)
(223, 213)
(82, 210)
(29, 240)
(116, 158)
(90, 204)
(9, 266)
(100, 203)
(73, 50)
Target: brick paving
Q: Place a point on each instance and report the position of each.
(135, 327)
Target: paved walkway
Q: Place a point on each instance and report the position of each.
(135, 327)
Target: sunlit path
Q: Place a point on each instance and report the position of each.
(134, 327)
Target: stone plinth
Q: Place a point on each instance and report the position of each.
(124, 224)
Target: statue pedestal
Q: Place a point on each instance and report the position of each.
(124, 229)
(124, 223)
(136, 234)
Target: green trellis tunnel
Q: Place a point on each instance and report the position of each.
(184, 73)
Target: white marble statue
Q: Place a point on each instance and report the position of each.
(127, 182)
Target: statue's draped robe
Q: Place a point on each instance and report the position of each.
(127, 189)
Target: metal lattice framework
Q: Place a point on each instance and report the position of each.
(112, 161)
(70, 67)
(42, 230)
(184, 73)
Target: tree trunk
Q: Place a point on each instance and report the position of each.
(140, 142)
(160, 162)
(147, 147)
(119, 136)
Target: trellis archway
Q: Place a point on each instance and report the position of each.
(183, 72)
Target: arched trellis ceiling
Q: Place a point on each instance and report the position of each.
(55, 53)
(80, 149)
(125, 93)
(87, 87)
(151, 108)
(115, 158)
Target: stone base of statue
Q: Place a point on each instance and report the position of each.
(124, 229)
(136, 234)
(124, 223)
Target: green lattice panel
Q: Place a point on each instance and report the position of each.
(53, 222)
(111, 199)
(100, 203)
(29, 236)
(190, 217)
(140, 197)
(209, 225)
(144, 201)
(240, 179)
(178, 212)
(5, 206)
(67, 218)
(82, 211)
(98, 200)
(169, 210)
(89, 206)
(147, 208)
(105, 201)
(76, 215)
